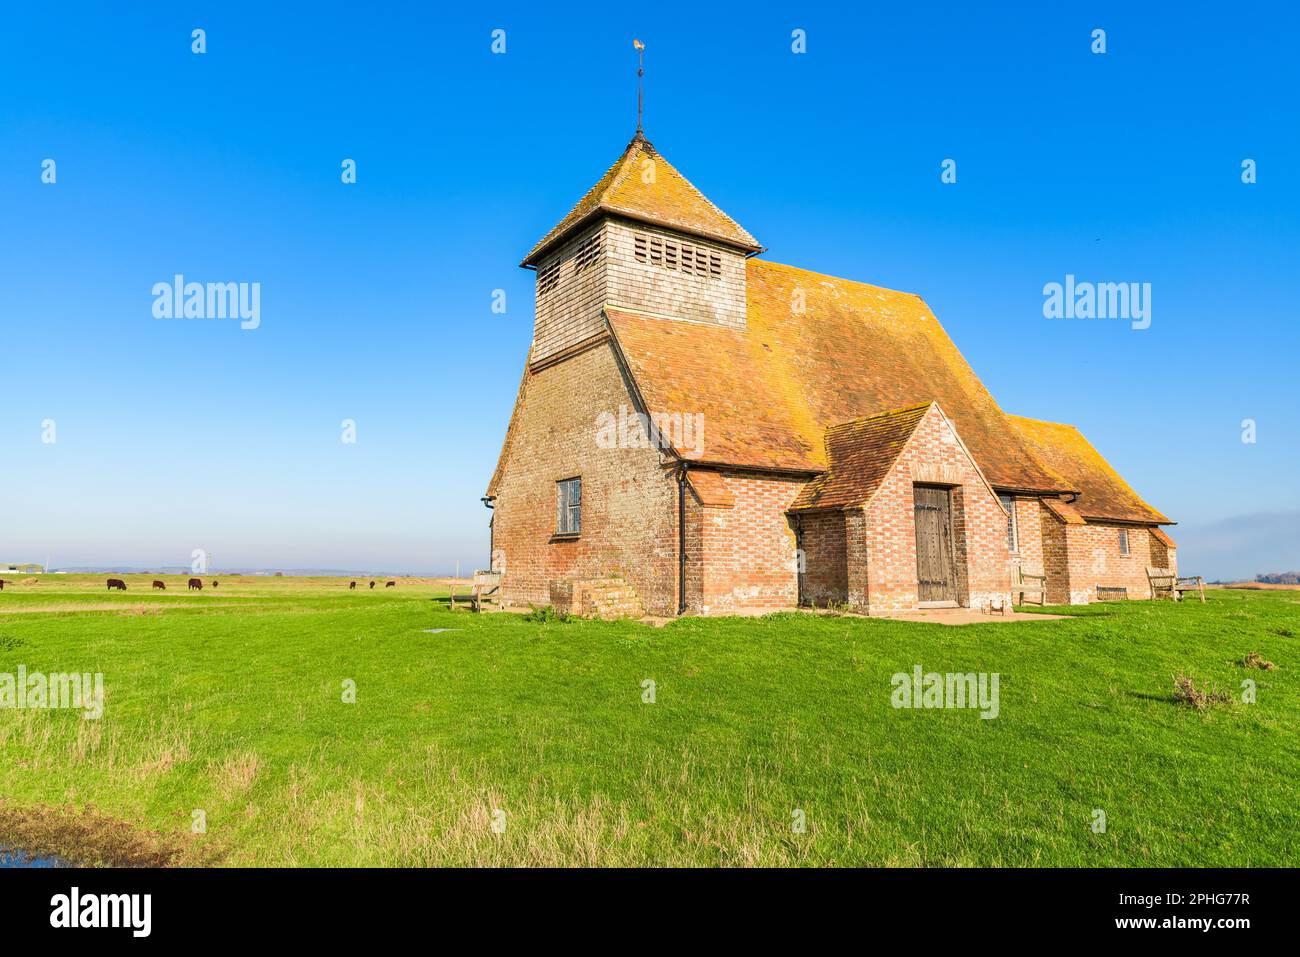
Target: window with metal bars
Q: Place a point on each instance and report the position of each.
(568, 499)
(1009, 503)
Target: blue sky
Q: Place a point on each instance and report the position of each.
(376, 297)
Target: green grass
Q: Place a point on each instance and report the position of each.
(231, 702)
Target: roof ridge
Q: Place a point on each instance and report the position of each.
(826, 275)
(881, 415)
(1026, 418)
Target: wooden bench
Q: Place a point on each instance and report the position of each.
(1165, 582)
(487, 590)
(1028, 581)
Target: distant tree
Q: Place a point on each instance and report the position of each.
(1279, 578)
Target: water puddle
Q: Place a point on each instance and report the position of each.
(12, 857)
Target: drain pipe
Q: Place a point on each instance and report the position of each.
(488, 500)
(798, 559)
(681, 538)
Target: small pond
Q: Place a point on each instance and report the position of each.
(12, 857)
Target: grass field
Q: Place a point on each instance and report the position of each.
(231, 703)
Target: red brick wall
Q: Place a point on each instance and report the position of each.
(1095, 560)
(1056, 563)
(629, 501)
(933, 456)
(1078, 558)
(826, 580)
(1029, 531)
(1162, 556)
(748, 558)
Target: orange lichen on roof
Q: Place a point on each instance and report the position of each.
(642, 185)
(861, 454)
(1103, 494)
(1064, 511)
(817, 351)
(710, 488)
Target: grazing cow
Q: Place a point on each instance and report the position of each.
(352, 586)
(215, 583)
(372, 584)
(2, 584)
(161, 586)
(390, 584)
(116, 583)
(196, 583)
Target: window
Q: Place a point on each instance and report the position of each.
(679, 257)
(1009, 503)
(548, 276)
(1123, 541)
(568, 519)
(588, 253)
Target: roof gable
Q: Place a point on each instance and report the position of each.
(666, 198)
(1103, 494)
(861, 453)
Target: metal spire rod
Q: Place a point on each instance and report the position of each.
(640, 72)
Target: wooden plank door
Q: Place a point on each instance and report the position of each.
(936, 571)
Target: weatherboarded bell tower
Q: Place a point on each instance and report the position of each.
(642, 238)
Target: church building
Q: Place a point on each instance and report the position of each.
(701, 430)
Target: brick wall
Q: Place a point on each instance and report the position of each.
(1029, 531)
(747, 556)
(932, 456)
(1162, 556)
(604, 598)
(1056, 563)
(1078, 558)
(1095, 559)
(826, 578)
(629, 500)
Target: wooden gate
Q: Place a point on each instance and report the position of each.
(936, 564)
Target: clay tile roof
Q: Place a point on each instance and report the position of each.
(1102, 493)
(710, 488)
(1064, 511)
(668, 199)
(861, 453)
(817, 351)
(1164, 539)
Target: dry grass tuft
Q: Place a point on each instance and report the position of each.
(236, 773)
(1255, 660)
(1186, 692)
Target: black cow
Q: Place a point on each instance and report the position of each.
(352, 586)
(215, 583)
(116, 583)
(196, 583)
(390, 584)
(372, 584)
(161, 586)
(2, 584)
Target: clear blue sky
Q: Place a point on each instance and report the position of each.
(376, 296)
